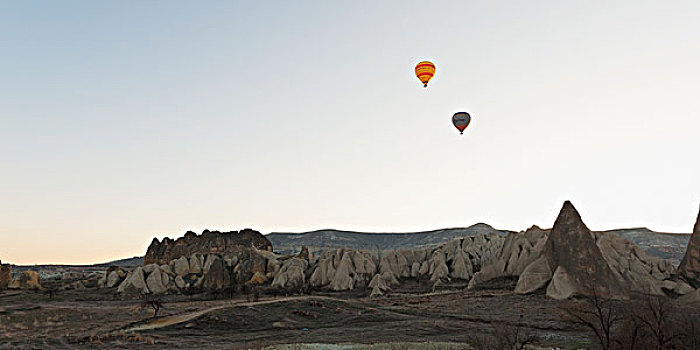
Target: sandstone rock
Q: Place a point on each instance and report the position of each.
(690, 265)
(135, 282)
(273, 266)
(155, 282)
(692, 298)
(195, 261)
(250, 261)
(180, 283)
(181, 266)
(438, 267)
(364, 266)
(209, 242)
(208, 260)
(390, 279)
(415, 269)
(5, 275)
(572, 246)
(682, 288)
(147, 269)
(535, 276)
(378, 285)
(344, 275)
(461, 267)
(258, 278)
(424, 268)
(26, 280)
(324, 271)
(166, 269)
(292, 274)
(114, 278)
(487, 273)
(304, 253)
(561, 286)
(217, 276)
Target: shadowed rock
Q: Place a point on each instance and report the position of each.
(572, 246)
(218, 275)
(5, 275)
(209, 242)
(27, 280)
(690, 265)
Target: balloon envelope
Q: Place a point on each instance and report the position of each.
(461, 121)
(425, 71)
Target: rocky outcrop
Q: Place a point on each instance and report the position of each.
(459, 259)
(519, 250)
(209, 242)
(572, 246)
(26, 280)
(292, 274)
(197, 273)
(217, 275)
(689, 268)
(534, 277)
(379, 285)
(570, 259)
(134, 283)
(112, 277)
(5, 275)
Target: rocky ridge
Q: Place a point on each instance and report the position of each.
(209, 242)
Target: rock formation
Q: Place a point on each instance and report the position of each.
(209, 242)
(197, 273)
(689, 268)
(5, 275)
(572, 246)
(570, 259)
(26, 280)
(112, 277)
(292, 274)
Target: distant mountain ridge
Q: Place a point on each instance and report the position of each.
(286, 243)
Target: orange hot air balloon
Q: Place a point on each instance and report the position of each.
(425, 71)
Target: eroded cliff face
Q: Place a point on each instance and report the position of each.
(690, 265)
(209, 242)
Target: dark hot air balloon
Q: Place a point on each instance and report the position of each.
(461, 121)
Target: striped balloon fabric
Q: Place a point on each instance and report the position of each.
(425, 71)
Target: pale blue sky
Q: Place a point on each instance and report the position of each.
(125, 120)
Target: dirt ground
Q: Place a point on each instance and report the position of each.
(91, 319)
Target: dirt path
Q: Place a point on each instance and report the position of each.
(175, 319)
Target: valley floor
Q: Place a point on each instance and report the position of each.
(89, 319)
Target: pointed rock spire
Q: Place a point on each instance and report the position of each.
(572, 246)
(690, 265)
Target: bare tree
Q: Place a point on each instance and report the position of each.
(631, 332)
(599, 313)
(152, 301)
(512, 337)
(655, 313)
(504, 336)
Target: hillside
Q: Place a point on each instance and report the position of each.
(659, 244)
(315, 240)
